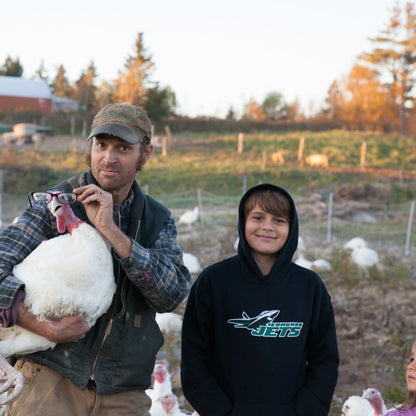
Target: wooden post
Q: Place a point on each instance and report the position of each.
(72, 126)
(168, 135)
(363, 153)
(409, 229)
(300, 150)
(240, 144)
(84, 129)
(164, 147)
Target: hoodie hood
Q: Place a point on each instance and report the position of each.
(284, 260)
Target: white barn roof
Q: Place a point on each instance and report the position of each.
(19, 87)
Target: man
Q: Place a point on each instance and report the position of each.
(103, 370)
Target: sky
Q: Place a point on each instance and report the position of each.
(214, 55)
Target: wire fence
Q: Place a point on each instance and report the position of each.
(324, 219)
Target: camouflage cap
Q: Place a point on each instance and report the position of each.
(126, 121)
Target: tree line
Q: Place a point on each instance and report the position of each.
(134, 84)
(377, 94)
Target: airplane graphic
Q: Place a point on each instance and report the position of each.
(263, 318)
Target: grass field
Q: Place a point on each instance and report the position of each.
(212, 162)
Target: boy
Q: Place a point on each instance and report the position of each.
(258, 333)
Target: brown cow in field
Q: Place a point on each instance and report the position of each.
(317, 160)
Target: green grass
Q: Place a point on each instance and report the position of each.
(211, 162)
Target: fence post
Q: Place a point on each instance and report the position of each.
(168, 135)
(409, 229)
(84, 129)
(72, 126)
(240, 144)
(329, 224)
(244, 183)
(201, 216)
(164, 147)
(300, 150)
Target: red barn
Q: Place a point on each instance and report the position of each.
(25, 94)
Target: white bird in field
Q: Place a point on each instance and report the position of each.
(301, 245)
(371, 403)
(71, 274)
(302, 261)
(169, 322)
(354, 243)
(365, 257)
(189, 217)
(321, 265)
(191, 262)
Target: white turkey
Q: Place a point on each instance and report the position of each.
(171, 406)
(356, 242)
(192, 263)
(302, 261)
(71, 274)
(169, 322)
(365, 257)
(321, 265)
(371, 403)
(189, 217)
(161, 386)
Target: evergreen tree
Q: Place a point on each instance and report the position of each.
(394, 59)
(85, 88)
(131, 85)
(160, 102)
(11, 67)
(61, 85)
(274, 106)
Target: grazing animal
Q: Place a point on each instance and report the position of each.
(356, 242)
(71, 274)
(362, 255)
(365, 257)
(191, 262)
(317, 160)
(321, 265)
(277, 157)
(189, 217)
(371, 403)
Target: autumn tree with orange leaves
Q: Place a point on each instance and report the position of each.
(378, 92)
(130, 86)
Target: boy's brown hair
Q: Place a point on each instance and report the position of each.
(271, 201)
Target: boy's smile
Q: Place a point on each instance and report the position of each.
(265, 233)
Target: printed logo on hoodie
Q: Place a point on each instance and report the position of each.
(263, 325)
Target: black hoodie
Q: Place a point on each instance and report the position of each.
(259, 345)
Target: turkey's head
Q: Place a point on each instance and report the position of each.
(65, 217)
(160, 372)
(168, 402)
(375, 399)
